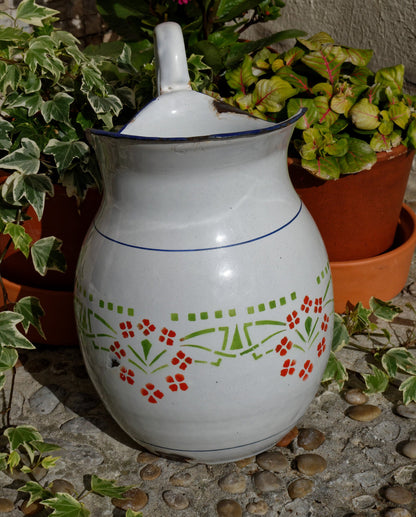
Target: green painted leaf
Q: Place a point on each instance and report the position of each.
(30, 12)
(242, 77)
(386, 311)
(25, 159)
(107, 488)
(335, 371)
(360, 156)
(308, 325)
(9, 334)
(31, 310)
(65, 153)
(8, 358)
(408, 387)
(47, 254)
(365, 115)
(22, 434)
(36, 491)
(20, 238)
(64, 505)
(57, 108)
(377, 381)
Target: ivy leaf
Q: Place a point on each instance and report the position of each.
(33, 14)
(2, 383)
(20, 238)
(31, 83)
(92, 80)
(32, 102)
(47, 254)
(65, 152)
(22, 434)
(39, 54)
(9, 335)
(377, 381)
(3, 459)
(398, 358)
(64, 505)
(14, 460)
(107, 105)
(340, 337)
(25, 159)
(335, 371)
(12, 34)
(384, 310)
(33, 188)
(408, 387)
(107, 488)
(49, 462)
(36, 491)
(132, 513)
(31, 310)
(8, 358)
(10, 78)
(43, 447)
(57, 108)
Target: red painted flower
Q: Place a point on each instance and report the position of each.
(306, 370)
(126, 327)
(167, 335)
(146, 327)
(288, 367)
(177, 383)
(126, 375)
(321, 347)
(324, 324)
(116, 349)
(293, 319)
(284, 346)
(318, 306)
(306, 305)
(153, 394)
(182, 360)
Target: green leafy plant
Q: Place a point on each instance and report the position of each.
(390, 365)
(211, 28)
(352, 113)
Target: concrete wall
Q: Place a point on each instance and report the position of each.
(389, 28)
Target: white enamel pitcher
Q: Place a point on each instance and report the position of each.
(203, 297)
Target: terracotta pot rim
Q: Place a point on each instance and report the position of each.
(382, 156)
(409, 243)
(38, 291)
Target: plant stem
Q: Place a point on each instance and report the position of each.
(9, 404)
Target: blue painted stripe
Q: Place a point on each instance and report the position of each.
(274, 436)
(202, 249)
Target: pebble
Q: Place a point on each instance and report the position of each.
(310, 439)
(310, 464)
(244, 462)
(364, 412)
(147, 457)
(355, 397)
(182, 478)
(175, 500)
(300, 488)
(31, 509)
(62, 485)
(234, 483)
(134, 499)
(272, 461)
(6, 505)
(257, 507)
(45, 400)
(408, 411)
(266, 481)
(150, 472)
(409, 449)
(398, 512)
(398, 495)
(229, 508)
(288, 438)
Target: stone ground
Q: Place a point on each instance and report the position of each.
(362, 459)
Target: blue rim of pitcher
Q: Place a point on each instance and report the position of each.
(212, 137)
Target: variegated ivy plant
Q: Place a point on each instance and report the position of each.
(352, 112)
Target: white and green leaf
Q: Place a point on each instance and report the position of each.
(31, 310)
(10, 336)
(47, 255)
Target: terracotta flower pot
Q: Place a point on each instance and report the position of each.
(357, 214)
(382, 276)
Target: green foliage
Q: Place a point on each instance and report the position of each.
(389, 364)
(211, 28)
(351, 115)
